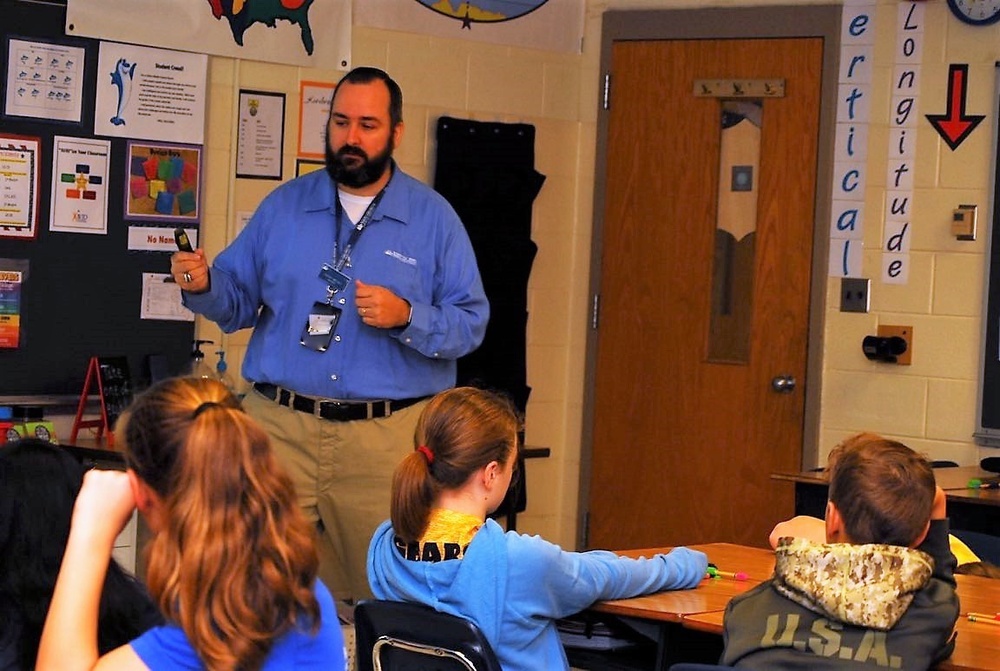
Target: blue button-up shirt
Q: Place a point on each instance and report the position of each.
(415, 246)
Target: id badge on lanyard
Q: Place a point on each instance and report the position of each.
(324, 316)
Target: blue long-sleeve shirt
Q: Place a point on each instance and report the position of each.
(515, 586)
(415, 246)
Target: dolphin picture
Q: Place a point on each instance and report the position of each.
(122, 78)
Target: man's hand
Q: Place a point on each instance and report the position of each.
(380, 308)
(190, 270)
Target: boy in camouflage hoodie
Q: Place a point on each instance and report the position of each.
(880, 593)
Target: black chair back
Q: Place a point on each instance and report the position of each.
(399, 636)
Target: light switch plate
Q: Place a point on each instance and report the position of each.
(855, 294)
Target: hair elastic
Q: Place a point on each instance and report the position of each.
(426, 451)
(203, 407)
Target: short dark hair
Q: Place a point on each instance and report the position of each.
(366, 75)
(883, 490)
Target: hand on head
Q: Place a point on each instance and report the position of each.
(104, 505)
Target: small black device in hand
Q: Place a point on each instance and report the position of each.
(181, 238)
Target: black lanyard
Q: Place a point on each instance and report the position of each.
(359, 228)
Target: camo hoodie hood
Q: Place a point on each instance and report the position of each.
(864, 585)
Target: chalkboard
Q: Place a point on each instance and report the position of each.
(81, 296)
(116, 386)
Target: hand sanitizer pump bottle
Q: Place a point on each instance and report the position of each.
(198, 366)
(221, 372)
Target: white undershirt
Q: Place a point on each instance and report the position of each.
(353, 205)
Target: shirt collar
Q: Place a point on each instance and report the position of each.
(394, 204)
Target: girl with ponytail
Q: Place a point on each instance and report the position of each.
(439, 547)
(232, 564)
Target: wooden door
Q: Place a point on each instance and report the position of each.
(685, 436)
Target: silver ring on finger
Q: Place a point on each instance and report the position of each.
(187, 278)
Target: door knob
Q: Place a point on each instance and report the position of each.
(783, 384)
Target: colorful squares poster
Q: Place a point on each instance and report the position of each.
(163, 182)
(80, 185)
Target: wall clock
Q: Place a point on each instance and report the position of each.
(976, 12)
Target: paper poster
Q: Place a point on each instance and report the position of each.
(261, 135)
(10, 307)
(44, 80)
(161, 299)
(163, 182)
(157, 239)
(314, 112)
(305, 166)
(152, 94)
(79, 202)
(19, 186)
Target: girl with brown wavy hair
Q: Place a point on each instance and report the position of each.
(232, 564)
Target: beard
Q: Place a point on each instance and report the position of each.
(353, 173)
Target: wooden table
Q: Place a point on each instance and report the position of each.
(700, 611)
(667, 610)
(976, 648)
(968, 509)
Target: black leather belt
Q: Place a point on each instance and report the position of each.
(336, 411)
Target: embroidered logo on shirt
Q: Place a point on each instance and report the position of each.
(408, 260)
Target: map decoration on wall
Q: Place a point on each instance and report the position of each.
(241, 14)
(163, 182)
(482, 11)
(307, 33)
(551, 25)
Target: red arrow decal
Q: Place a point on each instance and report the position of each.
(955, 125)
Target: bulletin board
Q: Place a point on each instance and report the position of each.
(81, 293)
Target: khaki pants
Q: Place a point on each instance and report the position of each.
(342, 473)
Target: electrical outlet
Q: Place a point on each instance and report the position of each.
(855, 294)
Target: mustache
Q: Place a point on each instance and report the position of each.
(347, 150)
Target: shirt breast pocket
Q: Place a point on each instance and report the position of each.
(396, 271)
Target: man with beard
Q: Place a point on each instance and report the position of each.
(362, 289)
